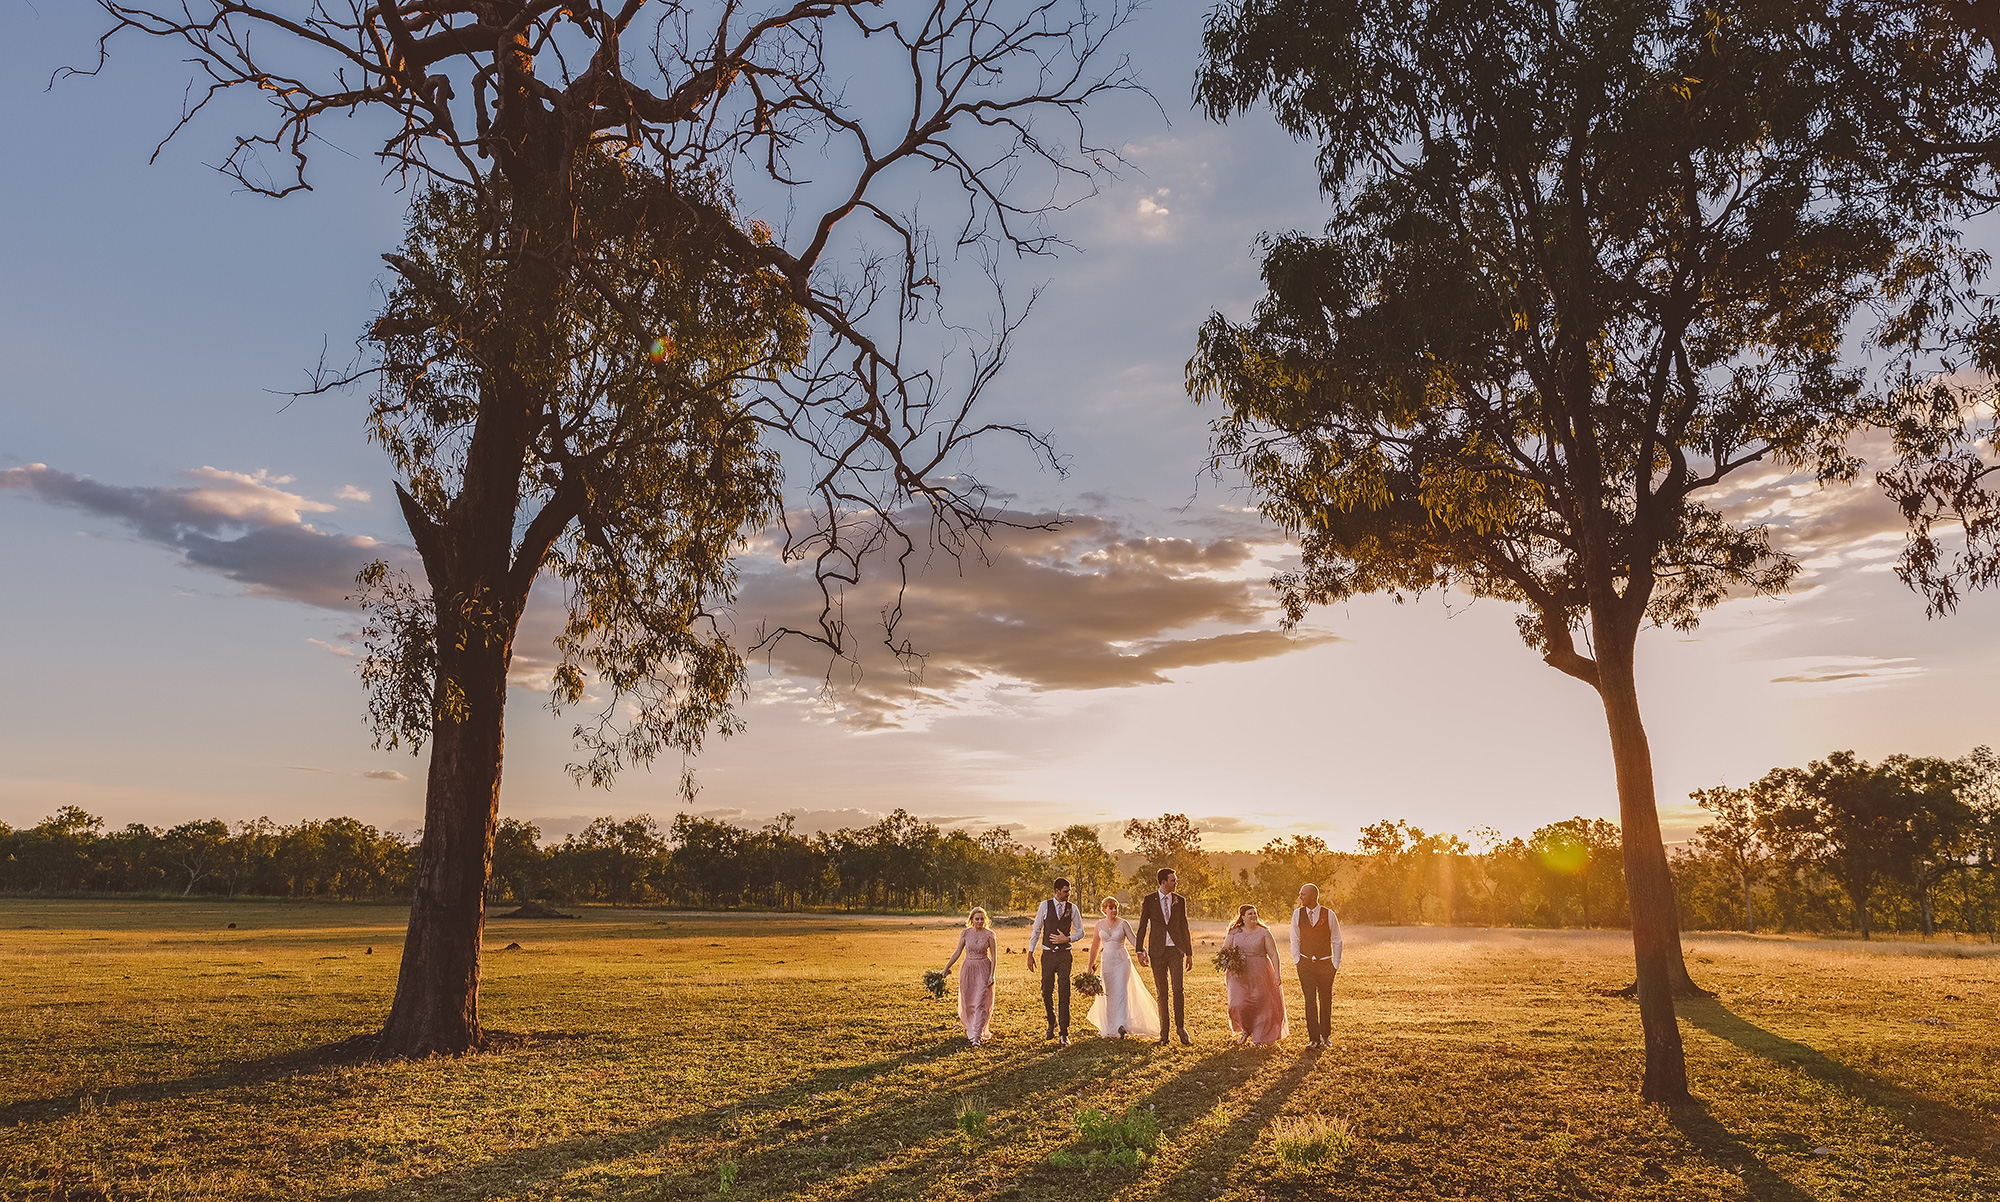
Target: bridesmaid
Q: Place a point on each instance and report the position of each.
(976, 980)
(1256, 1000)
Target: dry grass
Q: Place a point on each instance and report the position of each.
(151, 1052)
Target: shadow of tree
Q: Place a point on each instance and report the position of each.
(262, 1069)
(1720, 1145)
(1964, 1132)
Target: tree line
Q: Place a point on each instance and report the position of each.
(1840, 845)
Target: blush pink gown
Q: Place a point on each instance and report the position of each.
(976, 985)
(1256, 999)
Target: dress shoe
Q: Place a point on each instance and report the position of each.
(1063, 1042)
(1049, 1034)
(1184, 1038)
(1162, 1041)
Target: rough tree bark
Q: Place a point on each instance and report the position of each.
(1656, 941)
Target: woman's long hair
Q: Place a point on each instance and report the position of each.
(981, 912)
(1245, 908)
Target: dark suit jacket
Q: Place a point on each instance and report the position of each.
(1154, 927)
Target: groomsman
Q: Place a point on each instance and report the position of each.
(1316, 958)
(1164, 943)
(1057, 925)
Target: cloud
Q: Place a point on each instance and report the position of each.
(331, 649)
(1850, 671)
(243, 526)
(347, 492)
(1086, 605)
(1826, 526)
(379, 774)
(1228, 824)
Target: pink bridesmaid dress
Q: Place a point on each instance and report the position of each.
(1256, 999)
(976, 985)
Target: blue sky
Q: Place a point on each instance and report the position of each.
(174, 646)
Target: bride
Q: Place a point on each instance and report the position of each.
(1125, 1007)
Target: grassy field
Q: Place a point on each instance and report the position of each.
(150, 1051)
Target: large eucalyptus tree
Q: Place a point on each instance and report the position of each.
(589, 349)
(1588, 261)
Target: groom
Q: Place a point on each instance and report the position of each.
(1163, 936)
(1057, 925)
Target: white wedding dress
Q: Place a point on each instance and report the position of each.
(1126, 1003)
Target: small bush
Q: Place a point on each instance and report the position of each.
(725, 1178)
(971, 1118)
(1103, 1142)
(1311, 1140)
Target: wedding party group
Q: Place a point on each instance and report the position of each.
(1120, 1004)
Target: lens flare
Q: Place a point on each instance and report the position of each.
(662, 347)
(1565, 855)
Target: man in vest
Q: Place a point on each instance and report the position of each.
(1058, 924)
(1316, 958)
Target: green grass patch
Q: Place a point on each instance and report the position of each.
(1105, 1142)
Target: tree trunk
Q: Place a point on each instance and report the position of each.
(1860, 899)
(1924, 892)
(436, 1011)
(1749, 911)
(1656, 934)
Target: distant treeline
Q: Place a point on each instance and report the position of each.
(1908, 844)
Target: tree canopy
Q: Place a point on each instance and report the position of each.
(1586, 262)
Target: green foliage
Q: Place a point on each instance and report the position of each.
(725, 1178)
(1585, 263)
(1076, 854)
(1285, 865)
(1171, 841)
(1311, 1141)
(970, 1118)
(639, 482)
(1105, 1142)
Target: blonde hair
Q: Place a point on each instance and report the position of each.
(981, 912)
(1109, 903)
(1245, 908)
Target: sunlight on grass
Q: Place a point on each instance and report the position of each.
(152, 1052)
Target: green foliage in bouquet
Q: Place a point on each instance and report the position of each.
(1103, 1142)
(934, 982)
(1089, 984)
(1229, 959)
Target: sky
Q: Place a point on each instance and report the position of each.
(180, 536)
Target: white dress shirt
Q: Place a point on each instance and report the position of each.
(1312, 915)
(1046, 913)
(1166, 914)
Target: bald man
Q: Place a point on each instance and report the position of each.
(1316, 958)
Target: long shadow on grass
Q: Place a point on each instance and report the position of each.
(897, 1145)
(1720, 1145)
(1964, 1132)
(259, 1071)
(1219, 1154)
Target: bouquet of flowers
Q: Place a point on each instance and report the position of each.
(1089, 984)
(934, 982)
(1229, 959)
